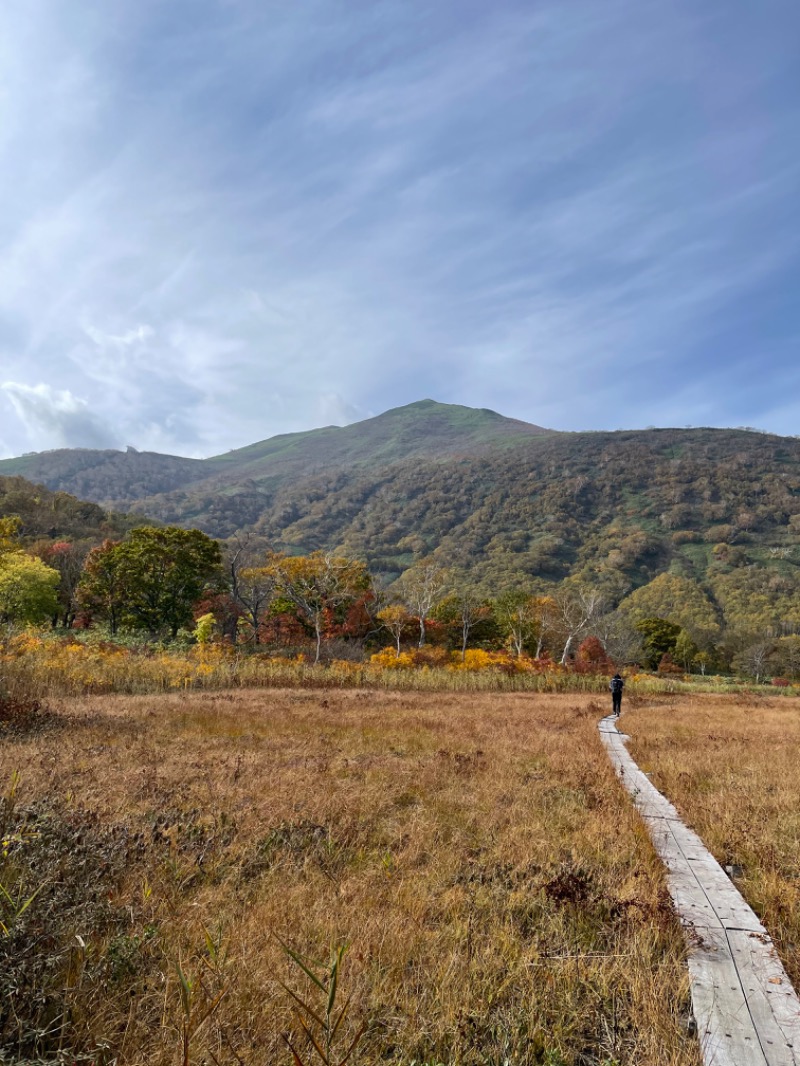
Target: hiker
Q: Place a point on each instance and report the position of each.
(616, 685)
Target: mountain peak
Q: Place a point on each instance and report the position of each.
(425, 428)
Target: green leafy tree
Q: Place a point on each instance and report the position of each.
(102, 591)
(165, 571)
(153, 578)
(204, 629)
(685, 651)
(28, 589)
(659, 637)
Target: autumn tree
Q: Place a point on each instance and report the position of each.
(462, 610)
(574, 611)
(420, 588)
(591, 655)
(517, 616)
(396, 619)
(256, 590)
(620, 638)
(317, 585)
(785, 657)
(754, 659)
(10, 526)
(252, 579)
(28, 589)
(68, 560)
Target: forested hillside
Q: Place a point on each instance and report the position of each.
(109, 477)
(46, 515)
(613, 508)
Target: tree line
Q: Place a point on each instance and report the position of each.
(158, 582)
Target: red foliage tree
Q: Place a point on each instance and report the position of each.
(591, 657)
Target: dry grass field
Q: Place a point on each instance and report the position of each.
(732, 768)
(498, 897)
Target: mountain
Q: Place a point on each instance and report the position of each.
(505, 502)
(121, 479)
(615, 509)
(125, 480)
(422, 428)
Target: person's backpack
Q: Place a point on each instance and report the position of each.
(616, 685)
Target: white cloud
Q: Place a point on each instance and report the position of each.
(58, 418)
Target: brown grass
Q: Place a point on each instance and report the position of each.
(500, 899)
(732, 767)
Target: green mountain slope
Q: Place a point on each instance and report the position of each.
(122, 479)
(422, 428)
(105, 476)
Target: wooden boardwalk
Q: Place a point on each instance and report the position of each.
(747, 1012)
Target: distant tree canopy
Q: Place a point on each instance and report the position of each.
(39, 513)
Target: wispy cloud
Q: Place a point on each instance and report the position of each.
(223, 220)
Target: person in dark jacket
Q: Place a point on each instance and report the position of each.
(616, 685)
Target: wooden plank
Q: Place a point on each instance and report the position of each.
(773, 1004)
(724, 1025)
(746, 1010)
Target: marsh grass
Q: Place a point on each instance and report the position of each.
(500, 899)
(730, 765)
(38, 665)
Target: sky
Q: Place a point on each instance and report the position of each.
(226, 219)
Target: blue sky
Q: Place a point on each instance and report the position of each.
(225, 219)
